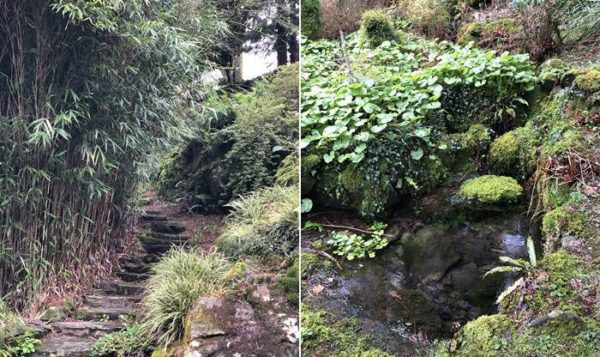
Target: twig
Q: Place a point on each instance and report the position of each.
(346, 59)
(353, 229)
(326, 255)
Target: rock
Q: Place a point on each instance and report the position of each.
(86, 328)
(560, 323)
(102, 313)
(229, 325)
(65, 346)
(152, 216)
(103, 300)
(261, 293)
(489, 191)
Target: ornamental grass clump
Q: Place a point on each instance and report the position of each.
(262, 222)
(177, 282)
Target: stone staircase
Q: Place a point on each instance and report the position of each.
(102, 308)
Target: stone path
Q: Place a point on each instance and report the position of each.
(102, 308)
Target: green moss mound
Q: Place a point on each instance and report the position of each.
(377, 27)
(486, 336)
(323, 337)
(504, 153)
(500, 35)
(491, 189)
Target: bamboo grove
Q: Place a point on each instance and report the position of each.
(87, 88)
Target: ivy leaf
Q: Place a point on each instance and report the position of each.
(328, 157)
(422, 132)
(306, 205)
(417, 154)
(385, 118)
(378, 128)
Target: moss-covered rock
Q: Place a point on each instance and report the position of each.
(491, 190)
(587, 80)
(487, 336)
(307, 171)
(551, 73)
(322, 336)
(501, 35)
(560, 222)
(504, 153)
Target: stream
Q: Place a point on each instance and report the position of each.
(430, 280)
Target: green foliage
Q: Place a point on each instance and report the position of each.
(240, 142)
(322, 335)
(178, 280)
(125, 343)
(11, 343)
(490, 189)
(378, 136)
(21, 345)
(78, 121)
(311, 18)
(262, 222)
(352, 245)
(377, 27)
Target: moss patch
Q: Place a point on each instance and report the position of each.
(322, 336)
(486, 336)
(504, 153)
(490, 189)
(501, 35)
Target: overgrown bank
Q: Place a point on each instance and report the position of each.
(389, 117)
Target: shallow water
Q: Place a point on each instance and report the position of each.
(428, 281)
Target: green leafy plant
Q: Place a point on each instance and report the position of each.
(129, 342)
(21, 345)
(352, 245)
(177, 282)
(519, 266)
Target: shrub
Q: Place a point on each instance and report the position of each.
(239, 144)
(130, 342)
(428, 17)
(262, 222)
(177, 282)
(344, 15)
(377, 27)
(311, 18)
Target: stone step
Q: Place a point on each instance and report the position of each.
(168, 227)
(132, 277)
(114, 300)
(162, 238)
(86, 328)
(135, 267)
(88, 313)
(152, 216)
(123, 288)
(65, 346)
